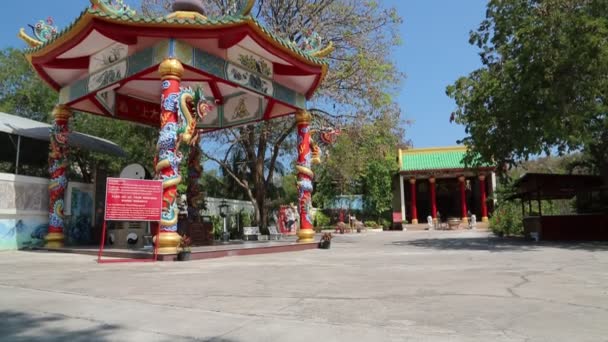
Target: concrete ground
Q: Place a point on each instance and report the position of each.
(385, 286)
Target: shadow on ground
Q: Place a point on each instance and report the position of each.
(495, 244)
(20, 326)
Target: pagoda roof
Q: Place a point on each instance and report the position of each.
(89, 14)
(61, 56)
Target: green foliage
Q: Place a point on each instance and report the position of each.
(321, 220)
(21, 91)
(543, 85)
(246, 219)
(218, 226)
(371, 224)
(507, 219)
(362, 161)
(386, 224)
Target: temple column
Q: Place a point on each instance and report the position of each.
(414, 209)
(168, 157)
(433, 199)
(305, 176)
(482, 198)
(463, 199)
(58, 169)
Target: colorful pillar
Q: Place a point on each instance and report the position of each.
(463, 199)
(305, 176)
(58, 169)
(194, 176)
(482, 195)
(168, 156)
(414, 209)
(433, 199)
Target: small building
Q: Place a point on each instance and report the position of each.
(434, 182)
(590, 222)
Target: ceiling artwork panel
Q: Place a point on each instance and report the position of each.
(242, 108)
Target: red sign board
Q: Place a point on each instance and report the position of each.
(133, 199)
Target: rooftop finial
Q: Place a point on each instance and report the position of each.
(188, 9)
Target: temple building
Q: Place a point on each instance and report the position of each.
(434, 182)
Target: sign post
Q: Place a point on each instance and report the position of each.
(132, 200)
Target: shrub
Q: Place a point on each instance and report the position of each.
(386, 224)
(507, 219)
(371, 224)
(321, 220)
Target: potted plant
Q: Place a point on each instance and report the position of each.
(184, 250)
(325, 242)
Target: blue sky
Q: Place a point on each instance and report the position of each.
(435, 52)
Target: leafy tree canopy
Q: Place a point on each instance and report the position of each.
(543, 85)
(362, 161)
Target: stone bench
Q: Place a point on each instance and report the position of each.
(251, 233)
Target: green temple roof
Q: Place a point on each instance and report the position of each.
(438, 158)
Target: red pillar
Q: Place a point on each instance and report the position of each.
(463, 199)
(433, 199)
(58, 169)
(414, 209)
(168, 158)
(305, 176)
(482, 195)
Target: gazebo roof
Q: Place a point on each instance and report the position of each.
(106, 63)
(228, 21)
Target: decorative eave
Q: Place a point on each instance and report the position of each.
(90, 14)
(88, 17)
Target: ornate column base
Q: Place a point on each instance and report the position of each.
(306, 235)
(169, 241)
(484, 219)
(415, 221)
(465, 220)
(54, 240)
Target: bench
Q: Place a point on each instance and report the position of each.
(251, 233)
(274, 233)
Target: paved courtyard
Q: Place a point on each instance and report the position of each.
(387, 286)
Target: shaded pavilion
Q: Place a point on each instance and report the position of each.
(536, 187)
(209, 74)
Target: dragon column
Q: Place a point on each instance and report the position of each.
(168, 156)
(58, 168)
(305, 176)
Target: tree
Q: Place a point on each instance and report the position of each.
(362, 77)
(362, 161)
(23, 93)
(543, 85)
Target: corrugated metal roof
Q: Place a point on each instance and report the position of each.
(18, 125)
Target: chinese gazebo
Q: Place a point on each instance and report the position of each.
(209, 74)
